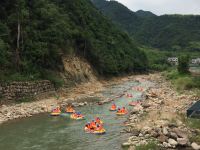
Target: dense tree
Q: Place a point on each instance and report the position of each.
(183, 64)
(35, 34)
(166, 32)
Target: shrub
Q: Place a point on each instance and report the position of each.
(25, 99)
(183, 64)
(184, 83)
(54, 77)
(150, 146)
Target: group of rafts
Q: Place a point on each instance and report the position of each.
(96, 126)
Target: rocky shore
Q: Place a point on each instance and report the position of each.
(158, 119)
(77, 96)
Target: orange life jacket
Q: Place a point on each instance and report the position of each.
(113, 106)
(123, 110)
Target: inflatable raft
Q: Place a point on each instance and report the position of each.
(70, 112)
(121, 114)
(103, 131)
(76, 118)
(113, 109)
(55, 113)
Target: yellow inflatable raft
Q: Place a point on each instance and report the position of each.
(72, 116)
(55, 113)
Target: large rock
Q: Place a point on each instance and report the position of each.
(154, 134)
(134, 112)
(180, 133)
(172, 142)
(165, 131)
(146, 105)
(162, 138)
(165, 144)
(135, 132)
(126, 144)
(173, 135)
(179, 123)
(182, 141)
(195, 146)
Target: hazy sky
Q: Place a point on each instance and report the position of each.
(164, 6)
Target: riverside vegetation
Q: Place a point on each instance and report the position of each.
(166, 32)
(34, 35)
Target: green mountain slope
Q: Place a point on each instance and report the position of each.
(169, 32)
(119, 14)
(35, 34)
(144, 14)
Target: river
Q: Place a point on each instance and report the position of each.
(43, 132)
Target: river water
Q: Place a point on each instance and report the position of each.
(43, 132)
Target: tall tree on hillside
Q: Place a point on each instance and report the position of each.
(14, 17)
(21, 14)
(183, 65)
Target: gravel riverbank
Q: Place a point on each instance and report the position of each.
(78, 96)
(158, 119)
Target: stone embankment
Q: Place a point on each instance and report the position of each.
(158, 119)
(77, 96)
(80, 84)
(17, 90)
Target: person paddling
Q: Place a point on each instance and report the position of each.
(99, 127)
(57, 109)
(123, 110)
(70, 109)
(98, 120)
(118, 110)
(113, 106)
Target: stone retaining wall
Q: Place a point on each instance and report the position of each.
(17, 90)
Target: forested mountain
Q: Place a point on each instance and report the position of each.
(142, 13)
(168, 32)
(34, 34)
(119, 14)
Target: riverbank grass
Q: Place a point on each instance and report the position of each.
(25, 99)
(183, 81)
(150, 146)
(194, 124)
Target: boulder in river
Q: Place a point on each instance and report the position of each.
(195, 146)
(126, 144)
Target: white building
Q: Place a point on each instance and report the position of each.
(173, 60)
(196, 61)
